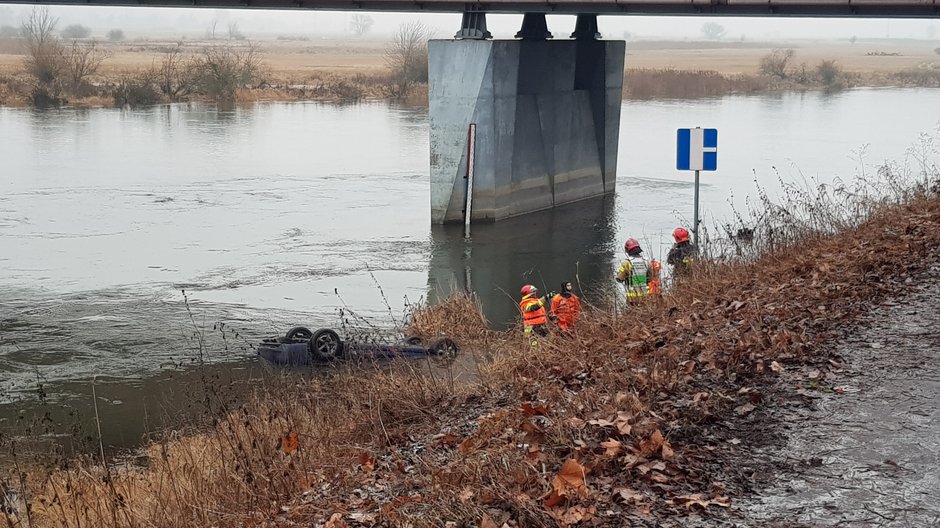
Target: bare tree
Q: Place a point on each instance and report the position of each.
(76, 31)
(213, 27)
(116, 35)
(361, 24)
(407, 56)
(233, 32)
(713, 30)
(44, 55)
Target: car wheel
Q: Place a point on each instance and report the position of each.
(326, 345)
(414, 340)
(444, 347)
(298, 333)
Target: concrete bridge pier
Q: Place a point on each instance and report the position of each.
(546, 116)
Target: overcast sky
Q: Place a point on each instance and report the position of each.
(141, 21)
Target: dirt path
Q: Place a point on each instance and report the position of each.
(868, 455)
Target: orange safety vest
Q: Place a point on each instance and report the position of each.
(532, 317)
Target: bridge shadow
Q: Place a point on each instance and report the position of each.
(573, 243)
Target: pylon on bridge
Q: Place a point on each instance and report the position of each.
(546, 115)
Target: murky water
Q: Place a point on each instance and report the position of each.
(283, 213)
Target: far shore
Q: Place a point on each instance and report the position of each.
(329, 69)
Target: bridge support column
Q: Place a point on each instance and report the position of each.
(547, 117)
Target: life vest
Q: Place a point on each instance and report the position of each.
(532, 316)
(567, 309)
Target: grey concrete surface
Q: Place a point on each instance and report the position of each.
(547, 116)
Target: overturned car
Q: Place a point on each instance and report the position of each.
(299, 346)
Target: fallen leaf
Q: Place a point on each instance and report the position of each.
(535, 410)
(776, 367)
(652, 444)
(697, 499)
(465, 494)
(290, 443)
(700, 396)
(613, 447)
(336, 521)
(622, 422)
(601, 423)
(667, 451)
(569, 481)
(628, 494)
(741, 410)
(367, 461)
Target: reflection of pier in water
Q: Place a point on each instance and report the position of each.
(543, 249)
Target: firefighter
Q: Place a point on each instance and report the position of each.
(635, 272)
(532, 308)
(566, 308)
(682, 253)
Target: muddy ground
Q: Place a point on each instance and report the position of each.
(862, 441)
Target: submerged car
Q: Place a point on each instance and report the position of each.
(299, 346)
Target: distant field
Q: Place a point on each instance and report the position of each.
(301, 58)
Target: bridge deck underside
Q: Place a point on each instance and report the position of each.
(795, 8)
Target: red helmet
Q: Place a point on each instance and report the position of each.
(528, 289)
(681, 234)
(630, 245)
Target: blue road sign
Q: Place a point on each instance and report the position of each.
(697, 149)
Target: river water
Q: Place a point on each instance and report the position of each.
(129, 237)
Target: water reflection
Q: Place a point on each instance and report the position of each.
(499, 258)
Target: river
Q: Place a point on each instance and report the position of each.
(278, 214)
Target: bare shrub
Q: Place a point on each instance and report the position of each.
(777, 63)
(407, 56)
(830, 74)
(221, 70)
(115, 35)
(81, 61)
(174, 75)
(136, 90)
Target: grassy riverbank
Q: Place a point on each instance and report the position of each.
(133, 73)
(644, 415)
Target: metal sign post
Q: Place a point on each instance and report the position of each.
(697, 150)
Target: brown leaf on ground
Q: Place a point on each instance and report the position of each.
(336, 521)
(741, 410)
(568, 482)
(666, 450)
(573, 515)
(698, 500)
(613, 447)
(600, 422)
(652, 444)
(535, 410)
(367, 461)
(628, 494)
(289, 443)
(776, 367)
(622, 423)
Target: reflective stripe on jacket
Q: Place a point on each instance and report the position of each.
(533, 311)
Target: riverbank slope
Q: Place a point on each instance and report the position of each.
(653, 415)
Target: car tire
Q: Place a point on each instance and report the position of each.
(443, 347)
(325, 345)
(298, 333)
(414, 340)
